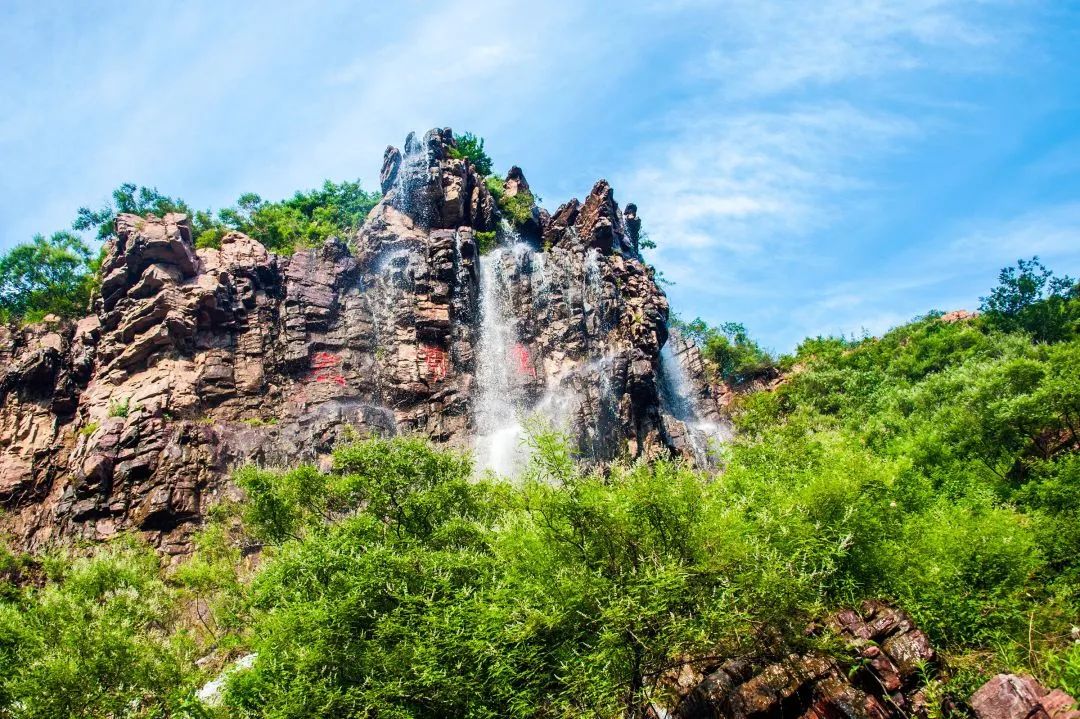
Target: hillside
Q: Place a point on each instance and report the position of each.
(464, 463)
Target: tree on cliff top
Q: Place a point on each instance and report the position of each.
(728, 349)
(135, 200)
(307, 219)
(471, 148)
(52, 275)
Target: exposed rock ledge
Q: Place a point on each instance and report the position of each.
(194, 361)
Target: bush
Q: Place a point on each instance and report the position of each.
(485, 241)
(120, 407)
(469, 146)
(729, 352)
(1029, 298)
(307, 219)
(46, 276)
(135, 200)
(92, 642)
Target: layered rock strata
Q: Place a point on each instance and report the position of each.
(193, 362)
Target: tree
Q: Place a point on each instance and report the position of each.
(307, 219)
(135, 200)
(46, 276)
(728, 348)
(470, 147)
(1030, 299)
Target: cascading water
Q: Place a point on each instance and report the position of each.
(500, 400)
(679, 398)
(412, 177)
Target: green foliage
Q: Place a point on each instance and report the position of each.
(46, 276)
(1029, 298)
(980, 426)
(89, 429)
(120, 407)
(469, 146)
(517, 209)
(935, 467)
(728, 350)
(210, 238)
(136, 200)
(90, 642)
(307, 219)
(495, 187)
(485, 241)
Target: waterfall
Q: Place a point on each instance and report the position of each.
(499, 397)
(679, 397)
(413, 174)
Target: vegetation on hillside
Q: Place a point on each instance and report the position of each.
(53, 275)
(935, 466)
(730, 354)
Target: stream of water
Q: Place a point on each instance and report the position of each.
(679, 397)
(499, 403)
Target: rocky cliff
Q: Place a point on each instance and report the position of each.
(195, 361)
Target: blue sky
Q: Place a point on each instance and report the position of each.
(805, 167)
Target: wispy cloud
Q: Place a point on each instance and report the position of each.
(797, 108)
(753, 181)
(783, 46)
(1052, 232)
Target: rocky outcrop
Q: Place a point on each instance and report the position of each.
(883, 676)
(882, 680)
(1008, 696)
(195, 361)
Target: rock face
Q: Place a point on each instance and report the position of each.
(883, 682)
(882, 679)
(196, 361)
(1008, 696)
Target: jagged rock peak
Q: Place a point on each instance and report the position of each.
(435, 190)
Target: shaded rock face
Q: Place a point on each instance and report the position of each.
(883, 682)
(196, 361)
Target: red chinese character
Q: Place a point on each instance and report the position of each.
(521, 354)
(436, 361)
(324, 360)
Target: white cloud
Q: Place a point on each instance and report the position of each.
(791, 121)
(779, 46)
(1051, 232)
(757, 180)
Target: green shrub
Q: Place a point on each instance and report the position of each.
(728, 350)
(46, 276)
(485, 241)
(469, 146)
(518, 209)
(495, 187)
(307, 219)
(211, 238)
(120, 407)
(1029, 298)
(93, 641)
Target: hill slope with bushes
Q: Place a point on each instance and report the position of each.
(934, 468)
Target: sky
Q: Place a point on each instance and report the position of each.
(805, 168)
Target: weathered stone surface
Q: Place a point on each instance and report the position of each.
(193, 362)
(885, 685)
(1008, 696)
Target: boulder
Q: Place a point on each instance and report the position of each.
(1009, 696)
